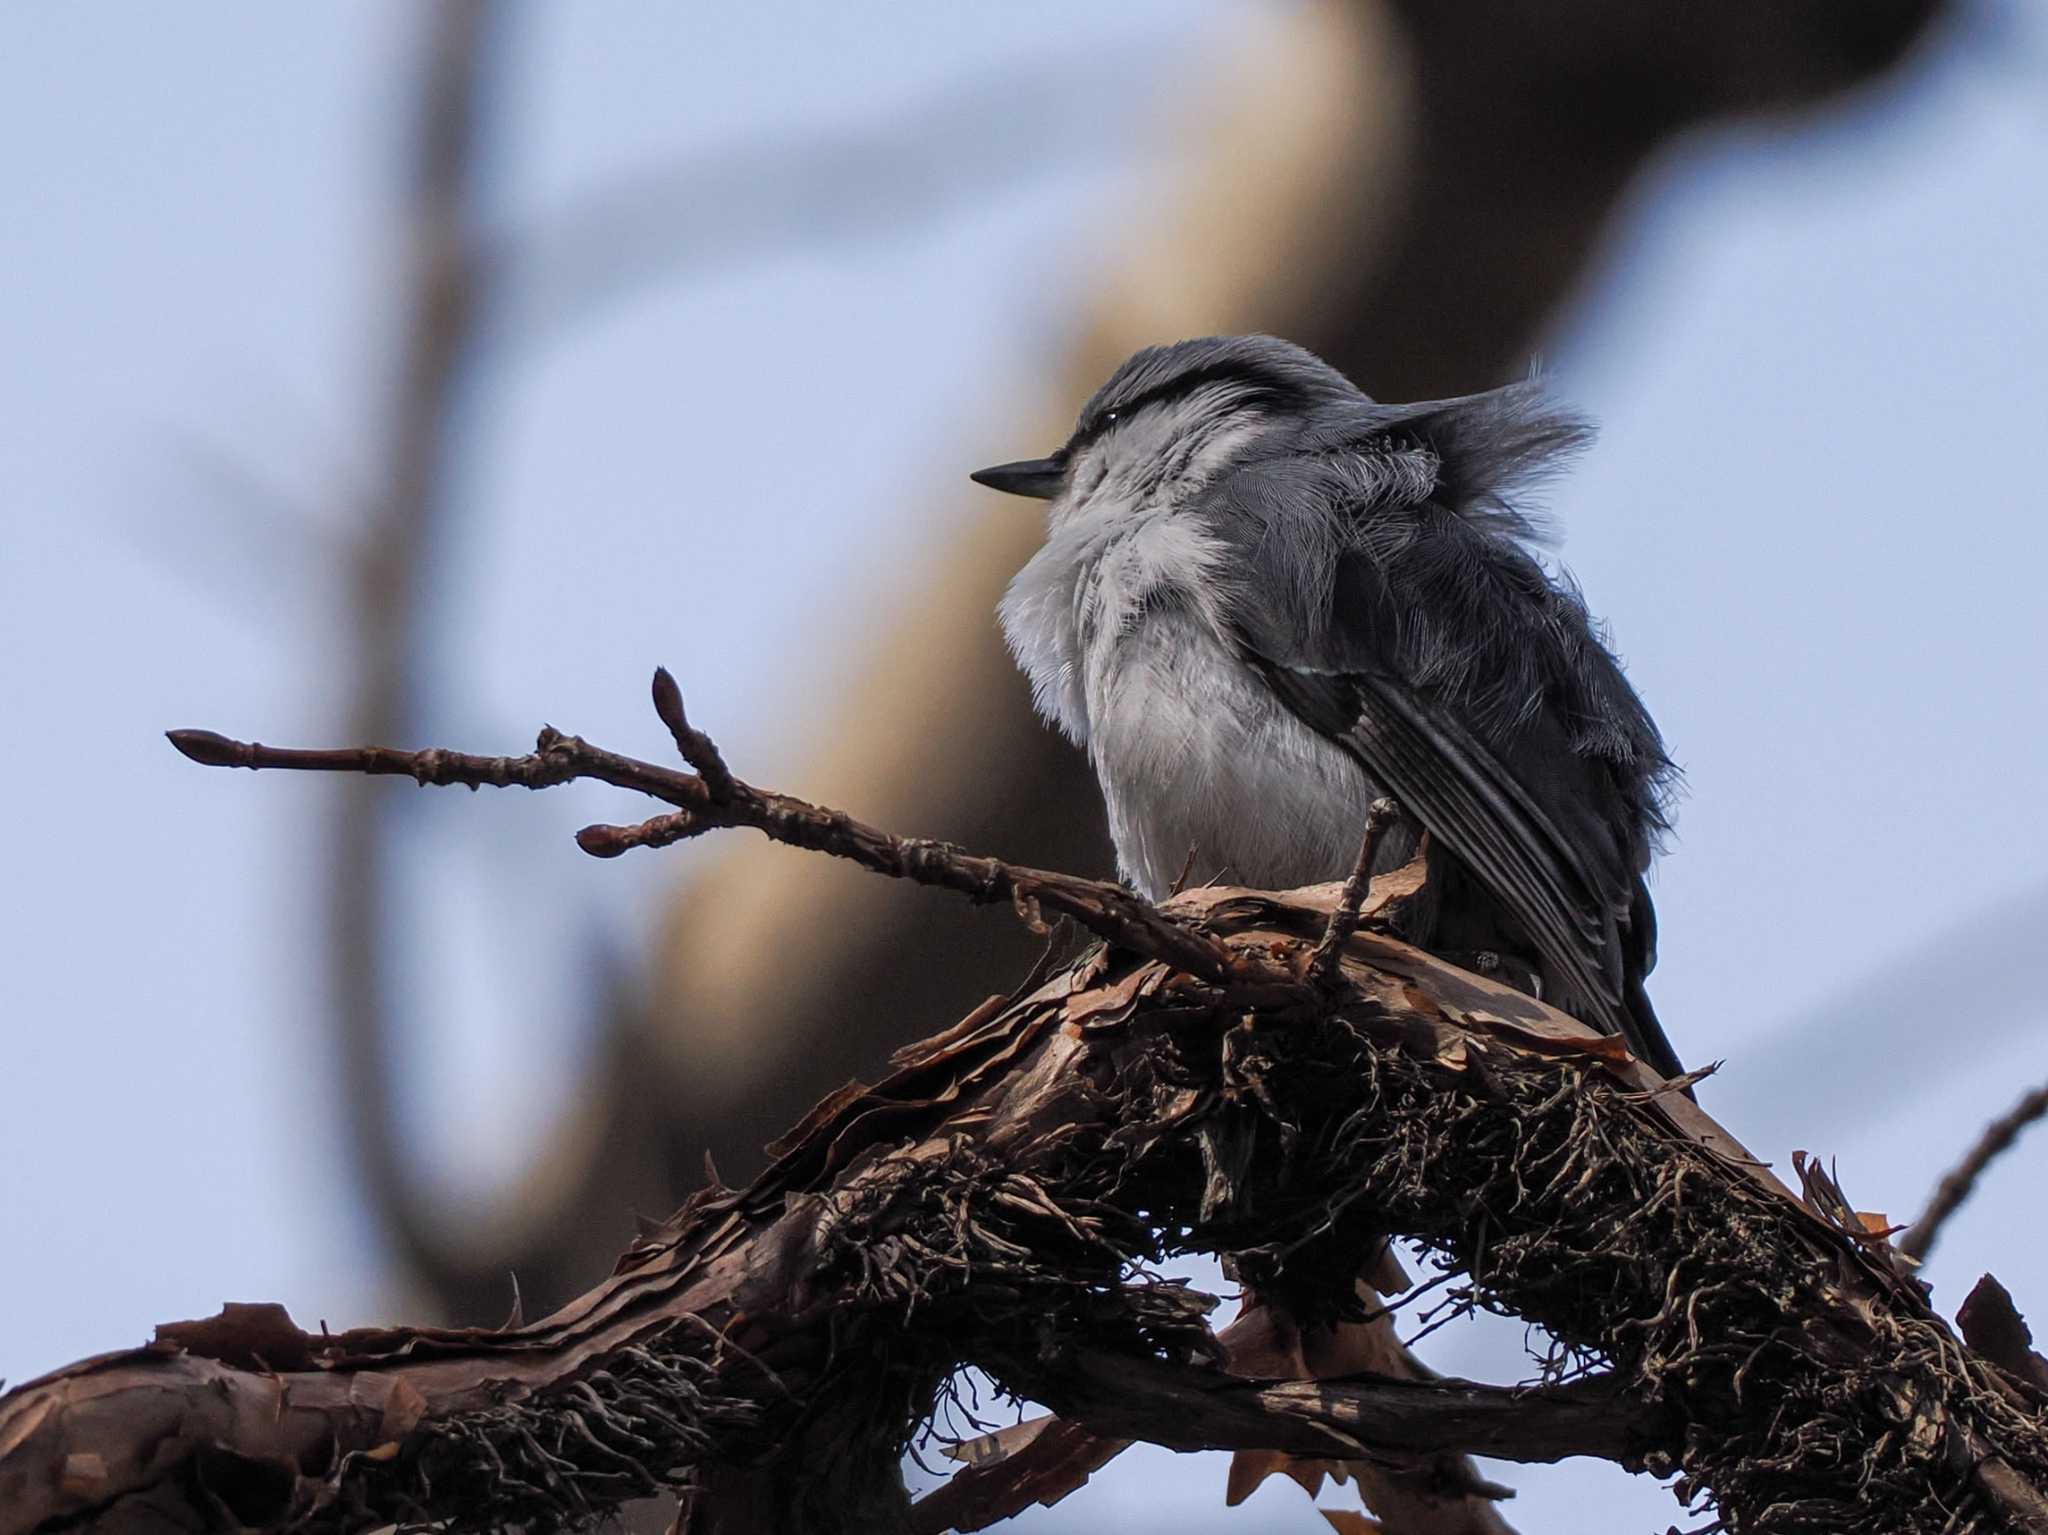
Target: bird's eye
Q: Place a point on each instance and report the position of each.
(1109, 417)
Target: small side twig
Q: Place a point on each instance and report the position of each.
(697, 748)
(1329, 950)
(1956, 1185)
(607, 841)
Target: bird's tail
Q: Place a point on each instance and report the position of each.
(1639, 1025)
(1645, 1035)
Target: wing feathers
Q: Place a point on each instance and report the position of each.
(1383, 587)
(1489, 822)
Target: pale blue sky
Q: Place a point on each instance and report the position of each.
(1812, 521)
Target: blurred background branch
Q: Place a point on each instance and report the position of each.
(441, 305)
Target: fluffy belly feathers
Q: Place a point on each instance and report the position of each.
(1196, 756)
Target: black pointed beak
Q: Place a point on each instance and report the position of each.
(1036, 477)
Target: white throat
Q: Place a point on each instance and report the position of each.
(1121, 537)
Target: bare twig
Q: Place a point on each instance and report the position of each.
(1109, 911)
(1956, 1185)
(1324, 962)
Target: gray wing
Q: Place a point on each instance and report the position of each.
(1391, 606)
(1450, 781)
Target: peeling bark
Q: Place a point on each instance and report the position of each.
(1200, 1082)
(996, 1200)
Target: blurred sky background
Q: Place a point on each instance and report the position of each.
(1814, 520)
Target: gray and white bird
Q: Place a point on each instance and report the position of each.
(1265, 600)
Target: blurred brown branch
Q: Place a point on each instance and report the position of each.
(441, 300)
(691, 217)
(1000, 1197)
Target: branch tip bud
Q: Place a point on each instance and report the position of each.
(205, 747)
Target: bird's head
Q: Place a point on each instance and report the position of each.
(1171, 416)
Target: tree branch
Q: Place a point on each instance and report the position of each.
(1322, 963)
(1001, 1199)
(1956, 1185)
(441, 296)
(1109, 911)
(1194, 1407)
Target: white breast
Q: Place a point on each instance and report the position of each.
(1196, 757)
(1120, 623)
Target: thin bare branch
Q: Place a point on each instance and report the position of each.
(1323, 963)
(1956, 1185)
(1109, 911)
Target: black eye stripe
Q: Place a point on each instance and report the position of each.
(1253, 390)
